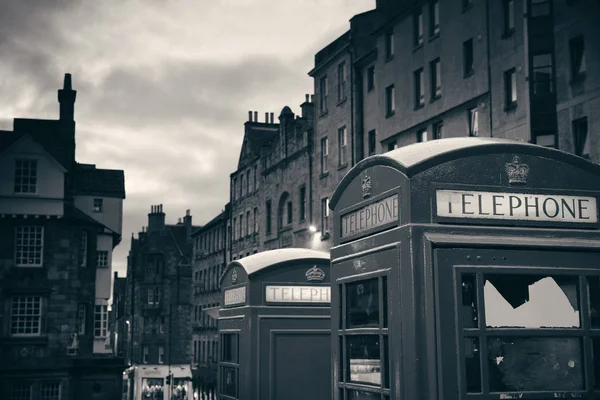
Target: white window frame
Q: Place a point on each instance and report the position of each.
(50, 390)
(100, 317)
(20, 318)
(325, 215)
(161, 354)
(474, 122)
(29, 180)
(145, 354)
(21, 391)
(81, 317)
(101, 259)
(324, 155)
(83, 249)
(343, 145)
(98, 205)
(27, 255)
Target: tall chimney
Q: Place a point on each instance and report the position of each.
(156, 219)
(249, 116)
(187, 221)
(255, 116)
(308, 108)
(66, 99)
(272, 117)
(266, 118)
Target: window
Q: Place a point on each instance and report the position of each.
(540, 8)
(389, 45)
(242, 233)
(577, 53)
(325, 215)
(419, 88)
(29, 246)
(101, 259)
(153, 296)
(473, 122)
(146, 353)
(83, 249)
(100, 321)
(392, 145)
(390, 100)
(25, 176)
(580, 137)
(255, 220)
(81, 317)
(510, 88)
(438, 128)
(436, 79)
(434, 18)
(241, 185)
(422, 135)
(255, 177)
(370, 78)
(248, 182)
(229, 364)
(418, 29)
(468, 57)
(323, 92)
(20, 391)
(342, 146)
(542, 74)
(509, 17)
(363, 336)
(248, 223)
(324, 155)
(234, 188)
(302, 203)
(289, 213)
(26, 316)
(341, 81)
(546, 139)
(49, 391)
(372, 142)
(268, 216)
(98, 205)
(161, 355)
(233, 228)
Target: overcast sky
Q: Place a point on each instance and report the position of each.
(163, 87)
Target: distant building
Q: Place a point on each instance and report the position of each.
(59, 223)
(412, 71)
(210, 256)
(157, 309)
(117, 320)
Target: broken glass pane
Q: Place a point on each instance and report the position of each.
(364, 359)
(534, 364)
(363, 303)
(528, 301)
(594, 293)
(469, 301)
(473, 365)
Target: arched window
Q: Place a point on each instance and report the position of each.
(284, 211)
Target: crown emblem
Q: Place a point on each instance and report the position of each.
(234, 277)
(517, 171)
(315, 274)
(366, 185)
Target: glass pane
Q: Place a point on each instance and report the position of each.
(153, 389)
(341, 361)
(230, 348)
(596, 361)
(362, 395)
(534, 364)
(386, 352)
(362, 307)
(340, 306)
(473, 365)
(531, 301)
(594, 294)
(364, 359)
(468, 309)
(230, 381)
(385, 302)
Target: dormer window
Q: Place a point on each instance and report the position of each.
(25, 176)
(98, 206)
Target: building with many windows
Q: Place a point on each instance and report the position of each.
(116, 322)
(60, 221)
(157, 309)
(412, 71)
(210, 256)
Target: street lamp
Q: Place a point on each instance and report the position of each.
(312, 228)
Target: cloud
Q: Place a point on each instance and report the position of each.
(164, 87)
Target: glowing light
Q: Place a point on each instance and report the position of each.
(312, 228)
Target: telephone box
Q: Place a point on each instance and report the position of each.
(275, 327)
(467, 268)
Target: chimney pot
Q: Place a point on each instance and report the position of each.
(272, 118)
(187, 213)
(267, 117)
(307, 98)
(255, 116)
(312, 98)
(249, 116)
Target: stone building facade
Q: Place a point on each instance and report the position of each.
(210, 256)
(59, 223)
(413, 71)
(157, 309)
(117, 321)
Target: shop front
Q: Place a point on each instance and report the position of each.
(158, 382)
(467, 268)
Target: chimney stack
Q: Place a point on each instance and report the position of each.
(249, 116)
(266, 118)
(272, 117)
(255, 116)
(66, 99)
(156, 219)
(308, 108)
(187, 221)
